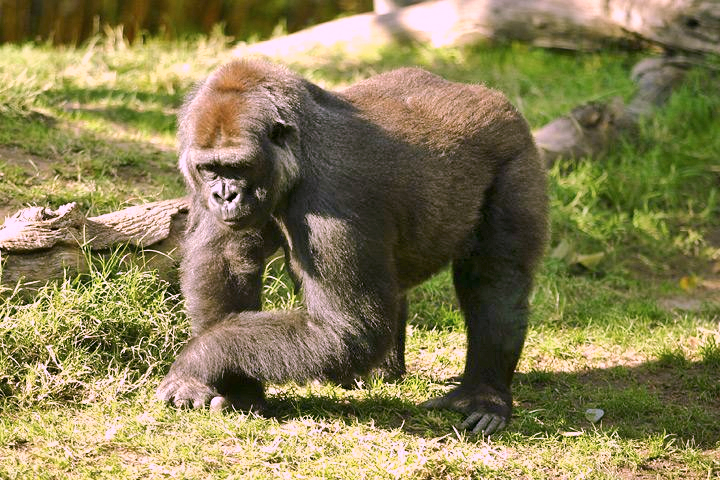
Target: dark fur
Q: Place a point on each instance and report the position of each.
(371, 190)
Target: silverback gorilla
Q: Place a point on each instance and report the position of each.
(370, 191)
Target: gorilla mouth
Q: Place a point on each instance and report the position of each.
(233, 217)
(239, 218)
(236, 222)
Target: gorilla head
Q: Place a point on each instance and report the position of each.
(237, 147)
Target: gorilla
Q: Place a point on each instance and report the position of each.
(369, 191)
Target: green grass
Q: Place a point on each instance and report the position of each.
(636, 334)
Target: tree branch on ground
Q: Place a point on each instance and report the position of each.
(39, 244)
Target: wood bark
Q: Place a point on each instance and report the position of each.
(39, 244)
(590, 130)
(685, 25)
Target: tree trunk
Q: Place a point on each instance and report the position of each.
(37, 244)
(685, 25)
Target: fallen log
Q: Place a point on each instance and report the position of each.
(39, 244)
(680, 25)
(590, 130)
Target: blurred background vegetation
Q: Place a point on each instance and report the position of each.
(72, 21)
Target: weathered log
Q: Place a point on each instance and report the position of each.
(39, 244)
(684, 25)
(590, 130)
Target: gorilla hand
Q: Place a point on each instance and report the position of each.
(184, 389)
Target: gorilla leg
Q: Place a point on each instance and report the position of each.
(493, 282)
(393, 368)
(494, 303)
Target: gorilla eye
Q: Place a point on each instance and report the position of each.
(279, 133)
(207, 173)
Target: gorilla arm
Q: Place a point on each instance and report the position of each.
(336, 336)
(225, 270)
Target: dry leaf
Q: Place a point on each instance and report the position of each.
(688, 282)
(590, 260)
(562, 250)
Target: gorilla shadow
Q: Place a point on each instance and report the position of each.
(653, 398)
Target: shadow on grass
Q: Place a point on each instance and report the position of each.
(145, 120)
(48, 151)
(678, 398)
(85, 95)
(145, 111)
(654, 398)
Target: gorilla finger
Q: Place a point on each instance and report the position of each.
(439, 402)
(471, 421)
(495, 426)
(165, 392)
(218, 404)
(183, 403)
(489, 424)
(164, 396)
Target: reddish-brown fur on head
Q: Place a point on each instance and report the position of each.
(240, 76)
(240, 98)
(215, 120)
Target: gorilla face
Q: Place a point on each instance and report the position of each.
(235, 192)
(236, 174)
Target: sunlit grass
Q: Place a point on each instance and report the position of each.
(80, 360)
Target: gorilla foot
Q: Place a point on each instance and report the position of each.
(487, 411)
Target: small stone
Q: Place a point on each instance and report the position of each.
(218, 404)
(593, 415)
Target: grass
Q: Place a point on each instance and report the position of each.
(636, 335)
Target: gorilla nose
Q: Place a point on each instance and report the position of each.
(224, 195)
(226, 198)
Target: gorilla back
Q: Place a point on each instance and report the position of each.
(370, 191)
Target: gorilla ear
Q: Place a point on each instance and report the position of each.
(280, 132)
